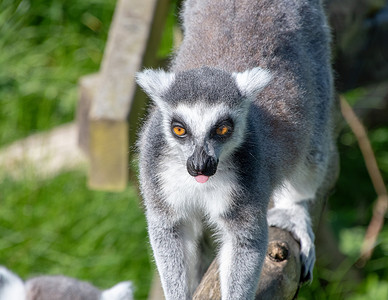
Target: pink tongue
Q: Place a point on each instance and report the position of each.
(201, 178)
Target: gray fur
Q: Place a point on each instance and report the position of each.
(58, 288)
(280, 147)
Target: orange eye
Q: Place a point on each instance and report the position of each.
(222, 130)
(179, 131)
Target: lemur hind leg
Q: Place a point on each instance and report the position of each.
(295, 219)
(290, 211)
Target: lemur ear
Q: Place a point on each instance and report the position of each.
(155, 83)
(252, 81)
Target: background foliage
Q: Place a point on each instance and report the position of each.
(58, 226)
(45, 46)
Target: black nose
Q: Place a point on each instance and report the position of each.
(200, 163)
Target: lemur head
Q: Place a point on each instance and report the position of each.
(204, 112)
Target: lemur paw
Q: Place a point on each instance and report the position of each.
(307, 257)
(299, 226)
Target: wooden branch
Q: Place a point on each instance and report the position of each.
(372, 107)
(156, 291)
(280, 275)
(381, 205)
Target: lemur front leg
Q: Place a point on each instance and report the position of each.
(244, 246)
(174, 245)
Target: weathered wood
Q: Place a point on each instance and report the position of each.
(106, 99)
(150, 59)
(109, 155)
(372, 107)
(42, 155)
(281, 271)
(280, 275)
(156, 292)
(87, 87)
(123, 56)
(105, 142)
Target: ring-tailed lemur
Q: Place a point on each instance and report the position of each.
(242, 116)
(58, 288)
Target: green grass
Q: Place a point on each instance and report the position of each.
(58, 226)
(45, 46)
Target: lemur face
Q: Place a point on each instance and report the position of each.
(203, 112)
(199, 135)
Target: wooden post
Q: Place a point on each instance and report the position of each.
(106, 98)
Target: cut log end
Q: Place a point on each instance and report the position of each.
(277, 251)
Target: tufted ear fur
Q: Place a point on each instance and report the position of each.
(11, 286)
(251, 82)
(155, 83)
(121, 291)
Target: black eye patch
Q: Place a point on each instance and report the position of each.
(222, 129)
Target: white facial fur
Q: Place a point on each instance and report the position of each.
(179, 187)
(186, 196)
(200, 118)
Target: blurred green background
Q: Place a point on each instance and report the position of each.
(58, 226)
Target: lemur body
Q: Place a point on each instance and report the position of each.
(242, 116)
(58, 288)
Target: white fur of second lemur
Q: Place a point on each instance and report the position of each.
(12, 287)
